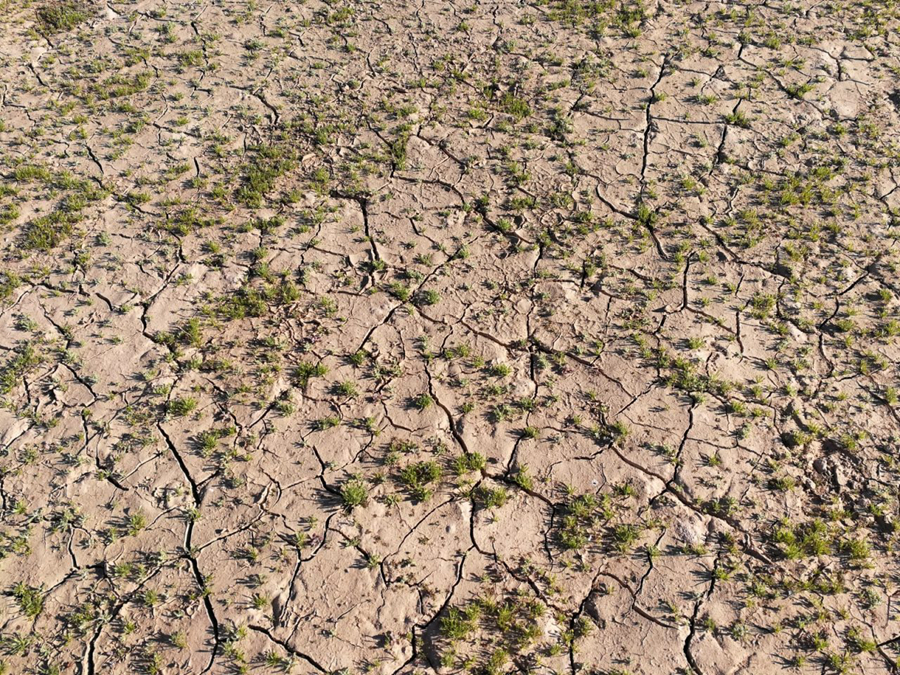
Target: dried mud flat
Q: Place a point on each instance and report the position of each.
(359, 337)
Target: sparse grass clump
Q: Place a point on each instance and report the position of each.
(29, 599)
(423, 401)
(490, 498)
(181, 406)
(738, 118)
(354, 493)
(56, 17)
(418, 478)
(266, 164)
(306, 371)
(48, 232)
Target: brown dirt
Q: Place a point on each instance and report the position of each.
(553, 337)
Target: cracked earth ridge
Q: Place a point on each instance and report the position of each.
(554, 336)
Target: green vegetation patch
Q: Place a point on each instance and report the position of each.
(58, 17)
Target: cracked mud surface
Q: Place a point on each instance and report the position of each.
(552, 337)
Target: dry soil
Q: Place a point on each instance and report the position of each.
(550, 337)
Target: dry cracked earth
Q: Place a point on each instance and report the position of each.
(552, 336)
